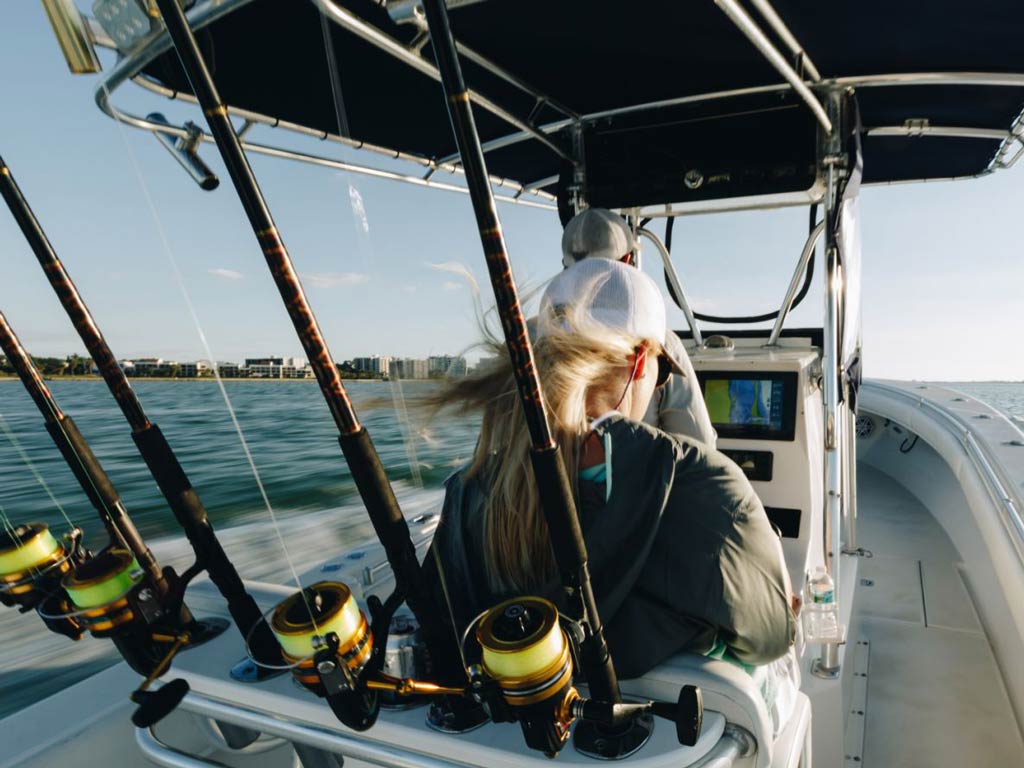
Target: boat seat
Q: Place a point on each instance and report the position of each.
(726, 688)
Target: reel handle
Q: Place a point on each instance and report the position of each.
(687, 713)
(154, 706)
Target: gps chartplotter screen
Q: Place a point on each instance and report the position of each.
(754, 405)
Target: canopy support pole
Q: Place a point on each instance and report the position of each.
(549, 468)
(828, 665)
(755, 35)
(367, 470)
(159, 457)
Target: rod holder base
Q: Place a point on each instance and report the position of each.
(598, 741)
(456, 716)
(248, 671)
(818, 669)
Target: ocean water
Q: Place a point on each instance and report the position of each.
(289, 430)
(294, 445)
(1005, 396)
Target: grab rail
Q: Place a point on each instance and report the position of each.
(339, 743)
(975, 452)
(734, 744)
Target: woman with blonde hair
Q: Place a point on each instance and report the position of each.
(681, 552)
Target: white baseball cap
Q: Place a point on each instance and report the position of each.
(616, 295)
(596, 232)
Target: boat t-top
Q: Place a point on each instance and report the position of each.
(905, 498)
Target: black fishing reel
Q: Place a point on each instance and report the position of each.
(333, 651)
(525, 674)
(32, 564)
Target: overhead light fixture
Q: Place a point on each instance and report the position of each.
(185, 151)
(73, 36)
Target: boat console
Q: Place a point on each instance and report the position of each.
(765, 403)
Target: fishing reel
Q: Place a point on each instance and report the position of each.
(111, 598)
(32, 563)
(333, 651)
(525, 674)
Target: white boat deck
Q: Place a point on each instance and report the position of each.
(935, 694)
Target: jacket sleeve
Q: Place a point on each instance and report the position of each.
(729, 558)
(754, 616)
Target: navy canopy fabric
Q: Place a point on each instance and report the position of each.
(593, 55)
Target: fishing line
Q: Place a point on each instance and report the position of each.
(405, 427)
(8, 525)
(169, 252)
(32, 468)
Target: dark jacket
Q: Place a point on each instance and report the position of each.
(681, 554)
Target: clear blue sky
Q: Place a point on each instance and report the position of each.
(943, 275)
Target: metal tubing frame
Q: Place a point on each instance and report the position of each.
(84, 465)
(256, 118)
(735, 743)
(757, 37)
(794, 283)
(182, 498)
(552, 481)
(677, 286)
(850, 481)
(357, 26)
(123, 69)
(364, 462)
(828, 664)
(779, 26)
(945, 131)
(130, 66)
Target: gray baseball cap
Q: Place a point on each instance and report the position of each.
(596, 232)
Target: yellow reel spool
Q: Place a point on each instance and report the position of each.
(525, 649)
(99, 589)
(333, 609)
(103, 579)
(30, 547)
(24, 553)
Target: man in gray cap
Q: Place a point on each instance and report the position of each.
(678, 407)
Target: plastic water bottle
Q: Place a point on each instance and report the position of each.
(821, 619)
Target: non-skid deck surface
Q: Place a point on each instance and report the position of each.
(935, 696)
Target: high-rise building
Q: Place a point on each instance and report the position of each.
(409, 368)
(446, 365)
(378, 365)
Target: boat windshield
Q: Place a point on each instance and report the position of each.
(736, 264)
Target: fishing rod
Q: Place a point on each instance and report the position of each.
(170, 477)
(120, 593)
(549, 467)
(548, 730)
(83, 463)
(365, 464)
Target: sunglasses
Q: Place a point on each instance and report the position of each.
(664, 370)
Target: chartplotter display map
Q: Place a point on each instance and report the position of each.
(742, 402)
